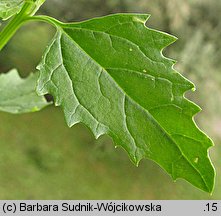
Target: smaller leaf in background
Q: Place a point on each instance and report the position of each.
(18, 95)
(8, 8)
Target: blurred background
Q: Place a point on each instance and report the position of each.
(41, 158)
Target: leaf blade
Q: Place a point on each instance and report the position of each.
(110, 74)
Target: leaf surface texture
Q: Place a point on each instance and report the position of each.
(109, 73)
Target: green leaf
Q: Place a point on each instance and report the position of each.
(9, 8)
(18, 95)
(110, 74)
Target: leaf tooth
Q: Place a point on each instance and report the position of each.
(161, 39)
(143, 18)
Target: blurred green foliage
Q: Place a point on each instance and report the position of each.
(41, 158)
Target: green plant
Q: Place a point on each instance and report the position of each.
(109, 73)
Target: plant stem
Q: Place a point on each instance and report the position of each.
(16, 22)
